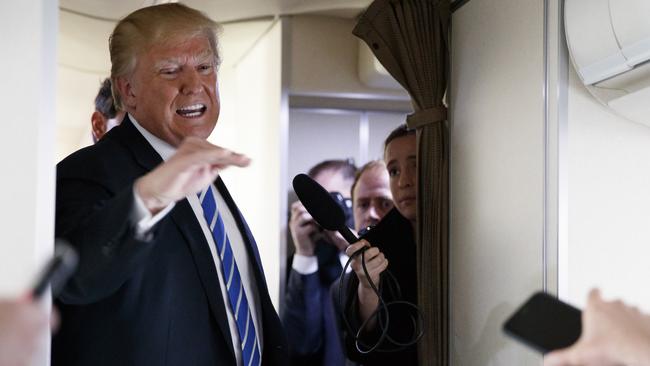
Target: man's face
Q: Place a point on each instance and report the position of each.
(100, 125)
(333, 181)
(400, 157)
(372, 197)
(173, 91)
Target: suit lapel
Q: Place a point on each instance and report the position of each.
(128, 135)
(191, 230)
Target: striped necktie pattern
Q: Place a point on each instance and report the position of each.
(236, 296)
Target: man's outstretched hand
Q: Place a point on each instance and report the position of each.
(195, 165)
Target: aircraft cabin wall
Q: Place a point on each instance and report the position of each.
(549, 188)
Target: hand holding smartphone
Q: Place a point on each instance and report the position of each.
(545, 323)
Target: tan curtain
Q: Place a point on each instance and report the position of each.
(409, 37)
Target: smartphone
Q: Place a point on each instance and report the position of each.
(545, 323)
(57, 270)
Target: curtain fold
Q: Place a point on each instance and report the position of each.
(410, 39)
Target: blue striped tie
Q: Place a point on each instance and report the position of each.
(238, 301)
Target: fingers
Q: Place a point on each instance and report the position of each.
(353, 248)
(299, 213)
(594, 296)
(559, 358)
(194, 166)
(336, 239)
(197, 150)
(55, 320)
(375, 262)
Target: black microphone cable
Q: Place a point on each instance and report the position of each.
(382, 313)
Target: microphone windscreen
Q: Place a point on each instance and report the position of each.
(318, 202)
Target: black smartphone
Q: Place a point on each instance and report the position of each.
(545, 323)
(57, 270)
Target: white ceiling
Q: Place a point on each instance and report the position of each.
(220, 10)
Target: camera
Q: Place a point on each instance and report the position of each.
(346, 206)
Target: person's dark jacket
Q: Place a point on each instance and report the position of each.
(393, 235)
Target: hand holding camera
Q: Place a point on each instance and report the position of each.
(306, 233)
(303, 228)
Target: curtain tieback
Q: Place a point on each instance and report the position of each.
(426, 116)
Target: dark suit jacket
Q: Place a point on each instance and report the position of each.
(142, 301)
(393, 235)
(308, 317)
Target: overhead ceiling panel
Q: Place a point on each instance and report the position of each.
(219, 10)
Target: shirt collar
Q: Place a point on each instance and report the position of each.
(163, 149)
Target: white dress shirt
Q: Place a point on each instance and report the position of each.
(308, 264)
(145, 221)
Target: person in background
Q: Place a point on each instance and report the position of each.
(306, 313)
(21, 327)
(105, 115)
(371, 197)
(613, 334)
(169, 272)
(361, 302)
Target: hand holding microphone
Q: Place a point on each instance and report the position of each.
(24, 321)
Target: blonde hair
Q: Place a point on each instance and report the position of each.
(154, 25)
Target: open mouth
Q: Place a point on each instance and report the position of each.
(192, 111)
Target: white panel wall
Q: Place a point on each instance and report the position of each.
(316, 135)
(83, 63)
(251, 123)
(381, 124)
(28, 29)
(497, 175)
(28, 34)
(609, 203)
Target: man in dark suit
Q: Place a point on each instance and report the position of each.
(307, 312)
(169, 272)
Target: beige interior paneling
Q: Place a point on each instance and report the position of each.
(497, 175)
(609, 203)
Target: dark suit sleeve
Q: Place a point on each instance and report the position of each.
(98, 224)
(302, 317)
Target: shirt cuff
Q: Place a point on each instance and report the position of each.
(143, 219)
(343, 258)
(305, 265)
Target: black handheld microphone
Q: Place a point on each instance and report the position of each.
(321, 206)
(57, 271)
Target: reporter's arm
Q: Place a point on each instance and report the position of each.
(612, 334)
(375, 264)
(21, 325)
